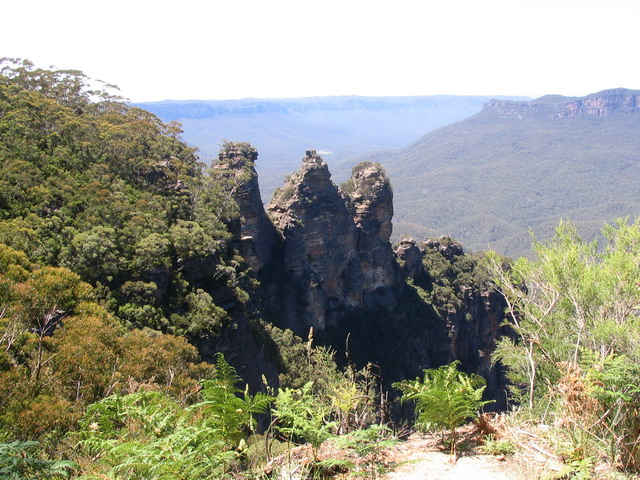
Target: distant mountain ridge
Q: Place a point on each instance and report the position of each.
(599, 104)
(516, 166)
(337, 127)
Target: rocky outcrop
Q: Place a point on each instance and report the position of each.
(473, 314)
(336, 243)
(371, 199)
(409, 257)
(601, 104)
(318, 230)
(325, 262)
(445, 246)
(252, 229)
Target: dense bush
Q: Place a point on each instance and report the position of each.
(110, 192)
(577, 357)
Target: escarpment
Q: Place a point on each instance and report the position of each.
(324, 260)
(469, 305)
(252, 230)
(601, 104)
(336, 249)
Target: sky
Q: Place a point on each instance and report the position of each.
(231, 49)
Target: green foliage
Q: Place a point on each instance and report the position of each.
(576, 296)
(368, 444)
(452, 273)
(445, 398)
(231, 414)
(148, 435)
(492, 445)
(22, 461)
(300, 416)
(61, 351)
(578, 351)
(578, 469)
(350, 396)
(109, 191)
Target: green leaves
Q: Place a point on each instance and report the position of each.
(229, 413)
(148, 435)
(300, 416)
(368, 444)
(576, 311)
(445, 398)
(109, 191)
(21, 461)
(576, 296)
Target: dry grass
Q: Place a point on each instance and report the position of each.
(537, 445)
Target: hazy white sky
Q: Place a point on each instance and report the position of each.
(215, 49)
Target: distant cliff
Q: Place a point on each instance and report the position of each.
(599, 104)
(518, 167)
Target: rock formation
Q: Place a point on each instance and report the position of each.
(253, 230)
(599, 104)
(371, 199)
(337, 253)
(331, 267)
(409, 257)
(474, 319)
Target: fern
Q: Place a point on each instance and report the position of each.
(368, 444)
(444, 399)
(225, 409)
(148, 435)
(299, 416)
(20, 461)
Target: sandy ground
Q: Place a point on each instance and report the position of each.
(437, 466)
(423, 457)
(418, 459)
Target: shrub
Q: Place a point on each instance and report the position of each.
(444, 399)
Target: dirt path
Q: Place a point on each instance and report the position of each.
(437, 466)
(418, 459)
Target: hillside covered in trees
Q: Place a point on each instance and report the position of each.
(519, 166)
(157, 321)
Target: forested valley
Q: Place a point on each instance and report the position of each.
(157, 322)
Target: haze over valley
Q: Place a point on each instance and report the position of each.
(337, 127)
(487, 171)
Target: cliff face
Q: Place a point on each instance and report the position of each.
(253, 231)
(471, 309)
(371, 199)
(331, 267)
(336, 244)
(601, 104)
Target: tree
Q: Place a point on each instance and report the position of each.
(576, 310)
(94, 253)
(575, 296)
